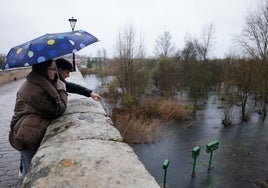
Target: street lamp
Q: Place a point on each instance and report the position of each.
(72, 23)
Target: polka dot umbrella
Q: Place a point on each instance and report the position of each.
(46, 47)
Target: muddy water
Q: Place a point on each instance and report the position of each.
(240, 161)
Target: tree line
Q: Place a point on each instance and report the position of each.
(240, 78)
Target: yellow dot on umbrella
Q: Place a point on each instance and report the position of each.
(30, 54)
(50, 42)
(19, 50)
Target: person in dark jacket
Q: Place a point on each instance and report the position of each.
(39, 100)
(64, 69)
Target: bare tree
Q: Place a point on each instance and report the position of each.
(197, 75)
(254, 42)
(206, 41)
(189, 52)
(125, 54)
(254, 38)
(129, 55)
(101, 56)
(164, 46)
(141, 53)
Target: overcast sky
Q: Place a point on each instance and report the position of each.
(23, 20)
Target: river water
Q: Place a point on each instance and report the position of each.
(241, 159)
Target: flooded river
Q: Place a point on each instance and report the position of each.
(241, 159)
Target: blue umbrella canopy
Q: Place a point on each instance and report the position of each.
(46, 47)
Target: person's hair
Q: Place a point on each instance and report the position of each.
(64, 64)
(41, 68)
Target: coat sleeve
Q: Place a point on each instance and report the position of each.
(78, 89)
(48, 107)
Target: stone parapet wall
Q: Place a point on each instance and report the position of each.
(83, 149)
(13, 74)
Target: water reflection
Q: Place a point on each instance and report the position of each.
(92, 81)
(239, 161)
(95, 83)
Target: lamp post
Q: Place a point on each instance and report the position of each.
(72, 23)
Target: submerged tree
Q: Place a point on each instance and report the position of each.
(165, 72)
(254, 42)
(239, 82)
(197, 72)
(129, 55)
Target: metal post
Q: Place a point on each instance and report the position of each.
(72, 23)
(210, 159)
(195, 154)
(165, 166)
(193, 171)
(74, 68)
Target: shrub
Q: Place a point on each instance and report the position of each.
(134, 126)
(139, 124)
(127, 100)
(165, 109)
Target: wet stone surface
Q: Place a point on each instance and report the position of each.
(9, 157)
(82, 149)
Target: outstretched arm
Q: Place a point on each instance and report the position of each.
(81, 90)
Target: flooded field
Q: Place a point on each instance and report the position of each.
(239, 161)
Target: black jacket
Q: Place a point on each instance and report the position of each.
(78, 89)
